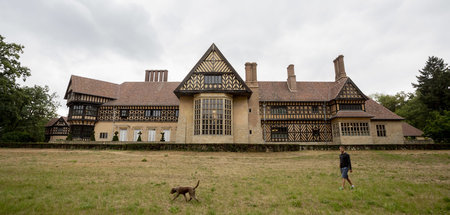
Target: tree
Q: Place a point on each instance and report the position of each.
(393, 103)
(23, 110)
(438, 126)
(433, 84)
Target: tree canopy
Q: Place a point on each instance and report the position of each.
(23, 110)
(428, 108)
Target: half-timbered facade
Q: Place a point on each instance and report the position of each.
(213, 104)
(56, 129)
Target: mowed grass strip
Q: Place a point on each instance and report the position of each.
(34, 181)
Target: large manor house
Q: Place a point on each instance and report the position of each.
(213, 104)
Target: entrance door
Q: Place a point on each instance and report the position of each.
(151, 135)
(167, 135)
(123, 135)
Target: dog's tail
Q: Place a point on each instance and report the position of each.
(198, 182)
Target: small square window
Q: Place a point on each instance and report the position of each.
(148, 113)
(103, 135)
(249, 110)
(123, 113)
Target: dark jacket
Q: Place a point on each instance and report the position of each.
(345, 160)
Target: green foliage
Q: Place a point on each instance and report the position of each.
(115, 137)
(69, 136)
(438, 126)
(415, 112)
(92, 138)
(428, 108)
(393, 103)
(433, 83)
(23, 110)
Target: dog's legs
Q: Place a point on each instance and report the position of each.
(185, 197)
(176, 196)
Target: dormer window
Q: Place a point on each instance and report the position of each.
(123, 113)
(278, 110)
(213, 79)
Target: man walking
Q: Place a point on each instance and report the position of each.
(345, 165)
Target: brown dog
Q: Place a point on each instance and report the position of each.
(184, 190)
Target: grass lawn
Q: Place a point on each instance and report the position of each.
(45, 181)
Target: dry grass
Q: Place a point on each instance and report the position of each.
(138, 182)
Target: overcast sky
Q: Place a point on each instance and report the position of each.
(385, 43)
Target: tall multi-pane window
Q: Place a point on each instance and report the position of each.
(77, 110)
(197, 112)
(91, 110)
(381, 131)
(212, 116)
(355, 129)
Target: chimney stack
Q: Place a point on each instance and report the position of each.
(291, 81)
(156, 75)
(339, 68)
(250, 72)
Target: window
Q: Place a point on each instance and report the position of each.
(59, 130)
(91, 110)
(315, 109)
(279, 133)
(213, 79)
(355, 129)
(212, 116)
(350, 107)
(177, 112)
(103, 135)
(381, 131)
(151, 135)
(77, 110)
(278, 110)
(148, 113)
(123, 113)
(156, 113)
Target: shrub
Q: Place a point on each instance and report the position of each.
(17, 136)
(115, 137)
(139, 137)
(93, 136)
(69, 137)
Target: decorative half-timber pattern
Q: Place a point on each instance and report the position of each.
(294, 110)
(213, 73)
(296, 131)
(349, 91)
(213, 63)
(139, 113)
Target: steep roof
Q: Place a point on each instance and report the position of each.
(212, 63)
(54, 120)
(92, 87)
(380, 112)
(411, 131)
(146, 93)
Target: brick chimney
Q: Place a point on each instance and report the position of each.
(250, 72)
(156, 75)
(339, 68)
(291, 81)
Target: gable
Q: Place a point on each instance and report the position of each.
(60, 122)
(350, 91)
(212, 73)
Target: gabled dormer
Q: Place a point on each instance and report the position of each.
(351, 91)
(213, 74)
